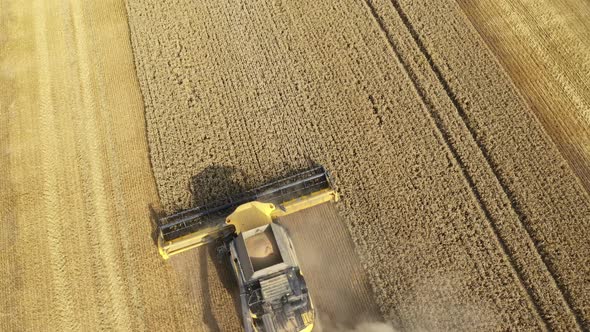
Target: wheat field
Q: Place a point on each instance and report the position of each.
(455, 133)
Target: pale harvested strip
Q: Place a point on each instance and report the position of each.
(545, 47)
(245, 92)
(75, 183)
(550, 202)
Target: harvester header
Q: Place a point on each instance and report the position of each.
(201, 225)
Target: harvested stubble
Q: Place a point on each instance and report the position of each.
(545, 47)
(75, 181)
(463, 211)
(339, 288)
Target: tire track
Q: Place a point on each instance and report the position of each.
(83, 260)
(10, 267)
(491, 165)
(123, 232)
(62, 295)
(23, 284)
(547, 70)
(547, 86)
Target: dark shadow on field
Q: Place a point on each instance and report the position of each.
(225, 274)
(213, 290)
(215, 185)
(155, 222)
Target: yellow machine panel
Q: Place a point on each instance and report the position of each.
(188, 229)
(250, 215)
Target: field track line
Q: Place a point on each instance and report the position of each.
(513, 201)
(446, 138)
(61, 295)
(440, 126)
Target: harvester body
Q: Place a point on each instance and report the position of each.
(273, 293)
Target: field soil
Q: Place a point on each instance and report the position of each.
(463, 211)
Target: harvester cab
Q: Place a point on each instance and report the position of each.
(273, 293)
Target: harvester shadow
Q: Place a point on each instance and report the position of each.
(155, 222)
(211, 186)
(215, 184)
(225, 275)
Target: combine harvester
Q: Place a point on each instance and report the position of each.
(273, 293)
